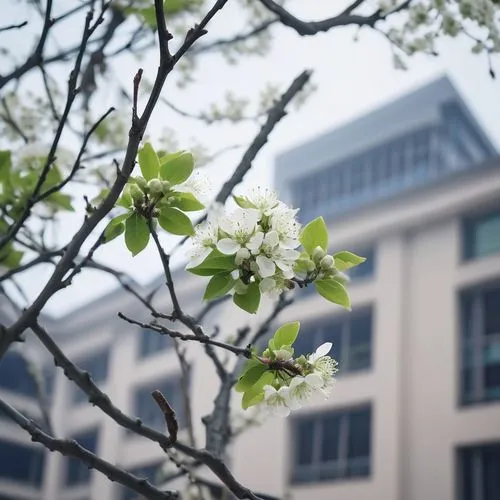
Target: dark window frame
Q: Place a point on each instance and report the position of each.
(317, 470)
(475, 454)
(471, 223)
(473, 339)
(34, 456)
(146, 348)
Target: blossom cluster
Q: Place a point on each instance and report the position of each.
(262, 234)
(291, 393)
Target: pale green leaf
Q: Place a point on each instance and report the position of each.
(286, 334)
(177, 167)
(213, 264)
(250, 377)
(219, 285)
(249, 301)
(136, 233)
(314, 234)
(174, 221)
(346, 260)
(333, 291)
(115, 227)
(149, 162)
(186, 202)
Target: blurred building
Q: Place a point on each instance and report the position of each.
(415, 415)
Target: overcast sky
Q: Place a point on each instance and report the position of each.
(351, 78)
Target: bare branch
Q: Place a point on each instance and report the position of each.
(71, 448)
(13, 26)
(168, 414)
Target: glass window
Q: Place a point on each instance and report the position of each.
(153, 342)
(480, 340)
(478, 472)
(20, 463)
(77, 473)
(146, 408)
(350, 334)
(481, 236)
(97, 366)
(15, 376)
(331, 446)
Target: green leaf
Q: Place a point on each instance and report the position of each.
(11, 258)
(149, 162)
(175, 222)
(115, 227)
(250, 301)
(53, 178)
(136, 233)
(250, 377)
(177, 167)
(243, 202)
(256, 393)
(286, 334)
(125, 200)
(219, 285)
(61, 200)
(5, 167)
(345, 260)
(333, 291)
(186, 202)
(213, 264)
(314, 234)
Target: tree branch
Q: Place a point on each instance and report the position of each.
(13, 26)
(71, 448)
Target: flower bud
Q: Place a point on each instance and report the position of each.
(155, 187)
(310, 266)
(141, 182)
(165, 186)
(317, 254)
(326, 262)
(136, 193)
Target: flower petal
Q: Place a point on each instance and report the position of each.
(266, 266)
(323, 349)
(255, 242)
(314, 380)
(271, 239)
(228, 246)
(198, 256)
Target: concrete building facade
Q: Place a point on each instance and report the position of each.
(415, 414)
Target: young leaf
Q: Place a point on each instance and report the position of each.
(334, 292)
(314, 234)
(136, 233)
(255, 394)
(149, 162)
(243, 202)
(250, 377)
(213, 264)
(10, 258)
(115, 227)
(125, 200)
(175, 222)
(286, 334)
(219, 285)
(345, 260)
(177, 167)
(186, 202)
(250, 301)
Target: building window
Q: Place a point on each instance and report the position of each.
(332, 446)
(478, 477)
(480, 325)
(147, 410)
(20, 463)
(97, 366)
(351, 335)
(77, 473)
(151, 342)
(151, 473)
(482, 235)
(15, 376)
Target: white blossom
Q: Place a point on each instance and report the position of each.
(264, 200)
(204, 241)
(239, 227)
(276, 401)
(301, 388)
(285, 223)
(323, 365)
(197, 184)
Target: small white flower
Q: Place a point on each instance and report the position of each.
(239, 227)
(284, 222)
(323, 366)
(276, 401)
(204, 241)
(267, 267)
(301, 388)
(197, 184)
(265, 200)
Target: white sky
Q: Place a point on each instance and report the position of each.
(351, 78)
